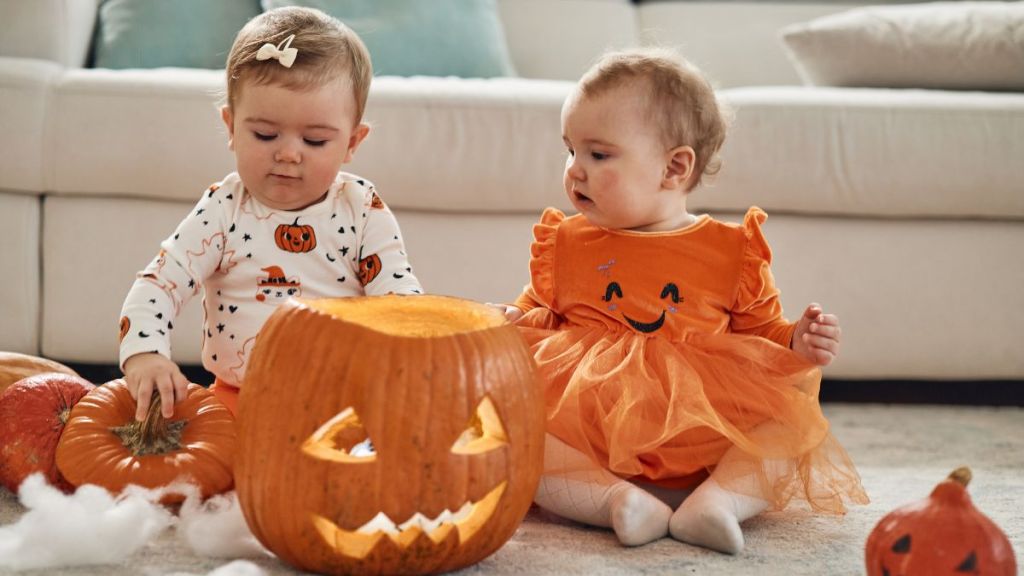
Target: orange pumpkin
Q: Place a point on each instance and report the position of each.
(295, 237)
(14, 367)
(941, 534)
(103, 444)
(388, 434)
(33, 413)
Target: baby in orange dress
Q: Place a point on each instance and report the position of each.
(658, 333)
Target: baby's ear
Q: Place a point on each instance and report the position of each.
(229, 123)
(358, 135)
(679, 167)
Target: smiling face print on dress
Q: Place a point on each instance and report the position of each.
(614, 296)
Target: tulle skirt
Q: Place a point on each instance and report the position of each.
(667, 412)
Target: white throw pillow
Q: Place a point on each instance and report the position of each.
(940, 45)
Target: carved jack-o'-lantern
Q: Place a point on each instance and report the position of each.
(295, 237)
(941, 534)
(388, 434)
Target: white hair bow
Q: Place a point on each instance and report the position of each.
(282, 53)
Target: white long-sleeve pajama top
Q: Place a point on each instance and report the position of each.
(248, 258)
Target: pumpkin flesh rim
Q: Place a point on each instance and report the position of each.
(409, 316)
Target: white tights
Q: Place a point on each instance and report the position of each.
(575, 488)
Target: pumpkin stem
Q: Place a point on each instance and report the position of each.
(961, 475)
(154, 435)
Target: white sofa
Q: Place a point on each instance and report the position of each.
(900, 210)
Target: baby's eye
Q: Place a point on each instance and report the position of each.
(570, 151)
(264, 137)
(315, 143)
(598, 155)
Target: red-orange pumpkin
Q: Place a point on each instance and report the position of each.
(14, 367)
(388, 434)
(33, 413)
(941, 534)
(103, 444)
(295, 237)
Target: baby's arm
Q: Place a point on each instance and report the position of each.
(149, 371)
(384, 266)
(816, 336)
(186, 259)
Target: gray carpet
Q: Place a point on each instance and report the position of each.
(901, 452)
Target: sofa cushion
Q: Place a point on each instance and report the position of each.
(942, 45)
(158, 134)
(872, 152)
(154, 33)
(411, 37)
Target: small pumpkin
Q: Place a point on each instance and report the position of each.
(33, 413)
(388, 434)
(14, 367)
(941, 534)
(103, 444)
(295, 237)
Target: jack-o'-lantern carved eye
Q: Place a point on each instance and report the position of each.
(341, 439)
(483, 433)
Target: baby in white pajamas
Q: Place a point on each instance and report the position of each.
(287, 223)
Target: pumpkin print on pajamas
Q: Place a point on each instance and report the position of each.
(295, 237)
(369, 268)
(126, 325)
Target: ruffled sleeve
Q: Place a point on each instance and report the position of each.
(541, 290)
(757, 309)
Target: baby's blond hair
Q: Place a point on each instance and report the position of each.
(327, 49)
(680, 100)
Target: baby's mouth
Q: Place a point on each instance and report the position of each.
(580, 197)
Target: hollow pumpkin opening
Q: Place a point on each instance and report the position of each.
(423, 316)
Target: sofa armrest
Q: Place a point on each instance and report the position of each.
(55, 30)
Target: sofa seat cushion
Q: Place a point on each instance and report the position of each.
(873, 152)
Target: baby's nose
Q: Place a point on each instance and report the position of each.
(288, 154)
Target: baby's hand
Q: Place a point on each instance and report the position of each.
(816, 337)
(511, 312)
(148, 371)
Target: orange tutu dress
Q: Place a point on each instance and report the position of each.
(661, 351)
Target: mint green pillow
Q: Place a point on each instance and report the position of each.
(154, 33)
(423, 37)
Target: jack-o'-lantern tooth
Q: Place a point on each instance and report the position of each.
(379, 523)
(462, 513)
(352, 544)
(341, 439)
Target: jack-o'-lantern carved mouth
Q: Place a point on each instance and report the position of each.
(358, 543)
(344, 439)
